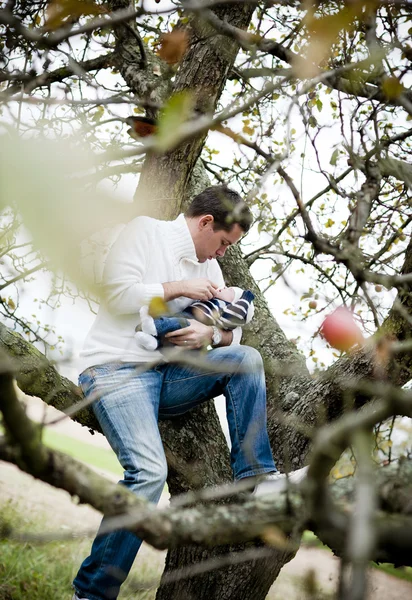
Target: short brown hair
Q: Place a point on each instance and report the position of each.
(225, 205)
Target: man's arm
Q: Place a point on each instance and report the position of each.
(123, 290)
(124, 271)
(197, 335)
(227, 338)
(196, 289)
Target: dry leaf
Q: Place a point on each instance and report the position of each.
(141, 126)
(273, 536)
(173, 46)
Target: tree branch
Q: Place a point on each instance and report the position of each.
(45, 79)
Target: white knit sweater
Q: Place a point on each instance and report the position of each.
(146, 254)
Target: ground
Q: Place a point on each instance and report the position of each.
(36, 498)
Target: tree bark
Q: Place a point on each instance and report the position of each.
(243, 581)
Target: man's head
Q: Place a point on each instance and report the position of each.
(217, 218)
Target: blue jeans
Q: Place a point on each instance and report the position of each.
(128, 409)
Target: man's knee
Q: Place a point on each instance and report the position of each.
(154, 473)
(250, 356)
(148, 478)
(157, 474)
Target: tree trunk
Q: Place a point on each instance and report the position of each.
(195, 447)
(164, 180)
(198, 457)
(244, 581)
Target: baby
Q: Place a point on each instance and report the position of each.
(230, 308)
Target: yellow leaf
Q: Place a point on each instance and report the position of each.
(248, 130)
(97, 115)
(392, 88)
(158, 307)
(58, 11)
(323, 32)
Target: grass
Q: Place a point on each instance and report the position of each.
(35, 571)
(399, 572)
(310, 540)
(100, 458)
(45, 572)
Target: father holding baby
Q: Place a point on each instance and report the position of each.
(176, 261)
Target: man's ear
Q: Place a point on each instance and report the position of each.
(205, 220)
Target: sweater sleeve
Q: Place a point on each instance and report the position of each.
(125, 268)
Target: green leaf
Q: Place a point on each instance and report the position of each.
(334, 157)
(319, 105)
(97, 115)
(175, 113)
(312, 121)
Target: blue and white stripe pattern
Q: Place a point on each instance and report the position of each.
(225, 315)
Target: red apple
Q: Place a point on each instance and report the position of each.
(340, 330)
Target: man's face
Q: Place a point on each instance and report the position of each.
(211, 244)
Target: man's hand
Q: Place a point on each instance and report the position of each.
(199, 289)
(197, 335)
(196, 289)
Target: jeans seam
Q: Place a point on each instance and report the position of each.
(114, 433)
(178, 381)
(257, 472)
(183, 404)
(101, 562)
(233, 403)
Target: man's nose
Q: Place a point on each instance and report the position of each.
(221, 251)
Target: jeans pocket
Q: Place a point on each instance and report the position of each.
(86, 381)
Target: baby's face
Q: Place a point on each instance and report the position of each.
(225, 293)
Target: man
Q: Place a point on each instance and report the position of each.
(176, 261)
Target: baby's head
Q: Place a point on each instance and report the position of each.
(225, 293)
(229, 294)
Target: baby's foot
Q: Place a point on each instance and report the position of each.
(147, 322)
(145, 340)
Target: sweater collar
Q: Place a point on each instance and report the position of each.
(181, 240)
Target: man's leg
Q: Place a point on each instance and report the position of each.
(245, 392)
(127, 410)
